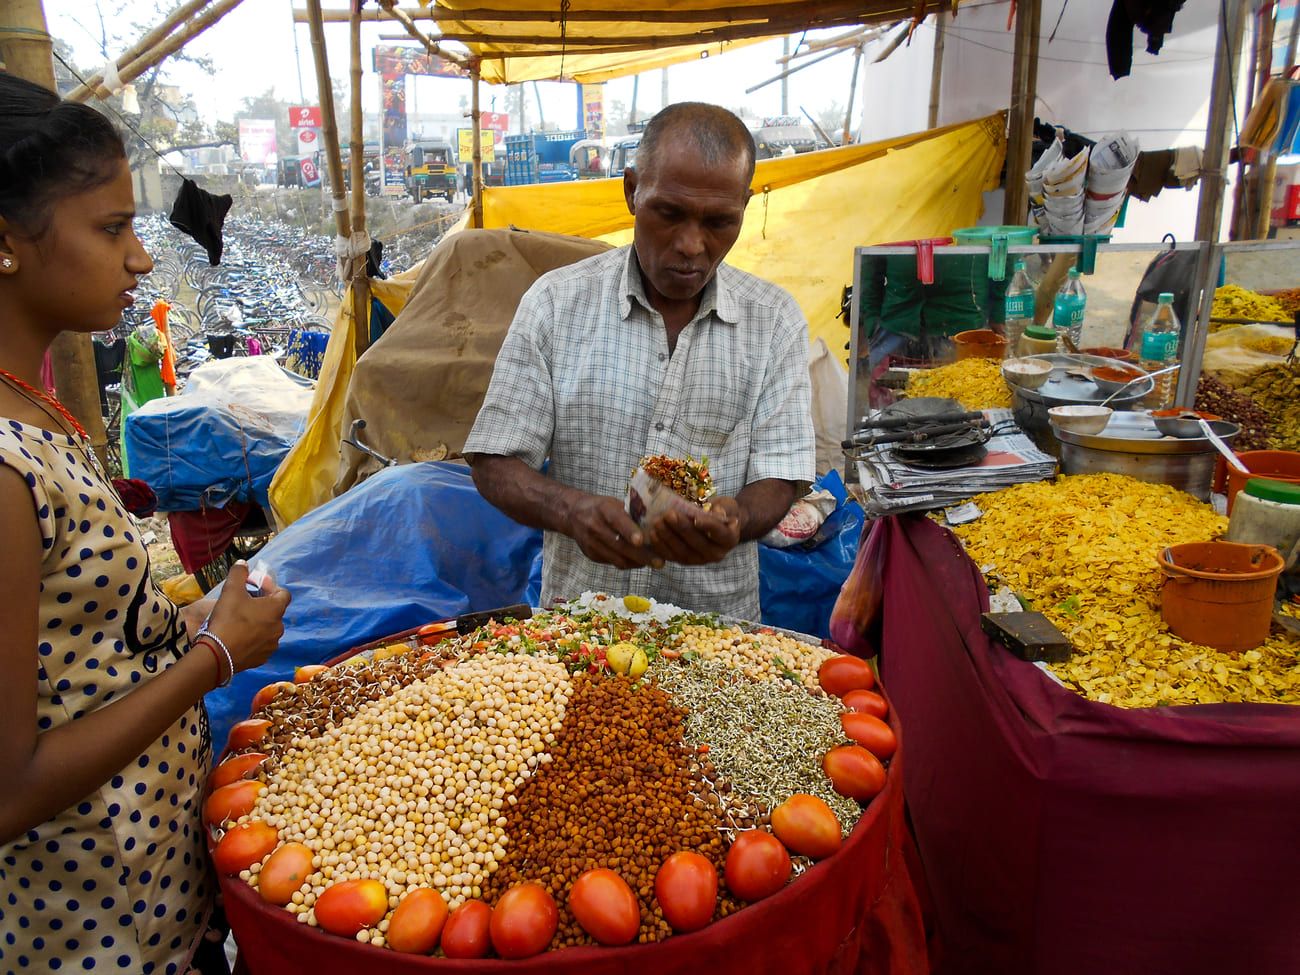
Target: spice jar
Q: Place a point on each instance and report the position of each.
(1266, 513)
(1037, 340)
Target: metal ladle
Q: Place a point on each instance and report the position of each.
(1222, 447)
(1138, 379)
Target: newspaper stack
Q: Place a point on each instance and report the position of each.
(1056, 190)
(892, 487)
(1110, 165)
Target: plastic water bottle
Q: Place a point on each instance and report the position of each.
(1068, 309)
(1019, 307)
(1158, 348)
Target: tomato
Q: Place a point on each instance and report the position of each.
(866, 702)
(465, 935)
(605, 906)
(854, 772)
(686, 887)
(243, 846)
(303, 674)
(245, 733)
(284, 873)
(806, 825)
(232, 801)
(871, 733)
(757, 865)
(350, 905)
(268, 693)
(417, 921)
(840, 674)
(234, 768)
(523, 921)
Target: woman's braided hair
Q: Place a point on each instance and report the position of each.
(49, 149)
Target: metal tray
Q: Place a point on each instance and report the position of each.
(1065, 390)
(1135, 433)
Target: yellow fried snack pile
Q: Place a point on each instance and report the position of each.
(1276, 390)
(975, 383)
(1234, 301)
(1083, 552)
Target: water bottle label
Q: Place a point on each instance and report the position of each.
(1020, 306)
(1159, 346)
(1068, 315)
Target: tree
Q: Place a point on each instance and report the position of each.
(831, 118)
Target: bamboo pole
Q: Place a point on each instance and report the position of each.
(176, 41)
(403, 18)
(360, 268)
(853, 90)
(1024, 85)
(27, 52)
(936, 69)
(1263, 217)
(614, 13)
(329, 129)
(1227, 54)
(476, 154)
(184, 12)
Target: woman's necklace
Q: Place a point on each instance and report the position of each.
(44, 400)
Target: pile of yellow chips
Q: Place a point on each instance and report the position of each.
(1083, 552)
(1234, 301)
(975, 383)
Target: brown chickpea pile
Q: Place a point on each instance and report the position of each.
(618, 793)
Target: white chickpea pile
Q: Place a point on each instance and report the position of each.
(412, 789)
(762, 656)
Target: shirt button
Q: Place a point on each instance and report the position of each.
(663, 356)
(659, 426)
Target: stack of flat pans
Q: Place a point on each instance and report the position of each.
(928, 432)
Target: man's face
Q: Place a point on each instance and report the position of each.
(688, 216)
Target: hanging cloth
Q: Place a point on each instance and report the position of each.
(201, 215)
(1154, 17)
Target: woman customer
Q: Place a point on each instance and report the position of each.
(103, 736)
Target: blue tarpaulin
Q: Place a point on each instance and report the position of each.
(222, 439)
(417, 543)
(408, 545)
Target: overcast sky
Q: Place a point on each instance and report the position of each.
(254, 49)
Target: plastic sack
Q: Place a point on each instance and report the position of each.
(1235, 355)
(408, 545)
(857, 608)
(798, 586)
(830, 404)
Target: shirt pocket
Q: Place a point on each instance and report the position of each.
(715, 414)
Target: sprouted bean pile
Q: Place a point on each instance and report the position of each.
(514, 754)
(1083, 552)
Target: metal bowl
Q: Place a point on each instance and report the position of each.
(1110, 386)
(1028, 373)
(1185, 426)
(1086, 420)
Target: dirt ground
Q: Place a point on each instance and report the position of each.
(163, 560)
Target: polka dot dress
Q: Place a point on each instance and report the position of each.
(119, 881)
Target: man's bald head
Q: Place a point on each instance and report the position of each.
(718, 135)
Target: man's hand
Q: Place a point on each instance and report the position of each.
(698, 537)
(605, 533)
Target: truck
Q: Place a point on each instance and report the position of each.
(623, 154)
(785, 135)
(431, 170)
(541, 157)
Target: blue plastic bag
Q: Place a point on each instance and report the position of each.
(798, 586)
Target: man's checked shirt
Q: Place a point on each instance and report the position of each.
(585, 379)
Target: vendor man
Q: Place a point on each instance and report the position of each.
(655, 348)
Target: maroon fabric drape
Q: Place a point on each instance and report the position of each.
(1063, 836)
(202, 536)
(856, 913)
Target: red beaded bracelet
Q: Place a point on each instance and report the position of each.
(217, 652)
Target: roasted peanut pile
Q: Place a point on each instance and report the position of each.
(765, 655)
(1276, 389)
(1234, 301)
(1083, 551)
(619, 792)
(1217, 397)
(413, 789)
(977, 384)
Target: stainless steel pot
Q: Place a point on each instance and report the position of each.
(1132, 445)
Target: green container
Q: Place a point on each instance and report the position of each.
(1087, 262)
(997, 239)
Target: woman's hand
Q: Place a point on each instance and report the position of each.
(250, 626)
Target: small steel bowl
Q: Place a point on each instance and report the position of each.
(1184, 426)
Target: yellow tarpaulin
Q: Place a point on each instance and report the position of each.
(807, 215)
(808, 212)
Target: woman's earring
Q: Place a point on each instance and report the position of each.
(7, 263)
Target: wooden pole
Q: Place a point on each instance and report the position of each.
(936, 69)
(329, 129)
(360, 269)
(1265, 213)
(1245, 194)
(27, 52)
(1227, 55)
(476, 155)
(1024, 85)
(853, 90)
(178, 16)
(177, 40)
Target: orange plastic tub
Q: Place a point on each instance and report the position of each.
(979, 343)
(1219, 594)
(1276, 465)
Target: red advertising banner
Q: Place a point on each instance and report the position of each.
(304, 116)
(495, 121)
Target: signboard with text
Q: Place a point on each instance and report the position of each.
(496, 121)
(465, 145)
(304, 116)
(257, 140)
(393, 64)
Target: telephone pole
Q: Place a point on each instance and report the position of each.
(28, 52)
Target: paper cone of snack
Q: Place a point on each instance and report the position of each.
(661, 483)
